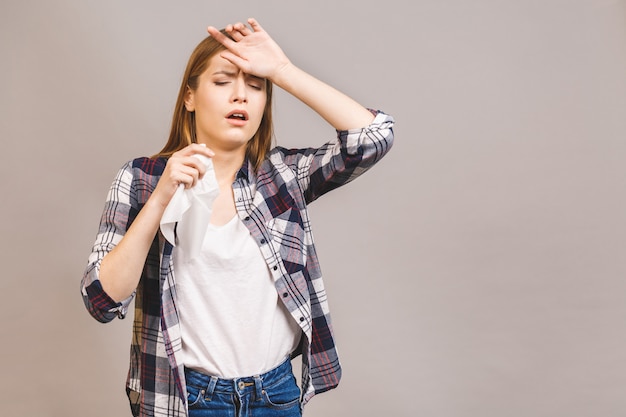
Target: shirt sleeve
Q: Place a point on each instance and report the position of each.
(350, 154)
(116, 217)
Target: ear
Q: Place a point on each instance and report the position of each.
(189, 100)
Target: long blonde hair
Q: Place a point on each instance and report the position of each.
(183, 130)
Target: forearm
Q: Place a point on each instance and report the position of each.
(339, 110)
(121, 268)
(255, 52)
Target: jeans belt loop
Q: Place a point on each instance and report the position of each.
(210, 388)
(258, 384)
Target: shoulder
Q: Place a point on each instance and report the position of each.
(280, 159)
(143, 169)
(140, 171)
(137, 178)
(148, 166)
(279, 154)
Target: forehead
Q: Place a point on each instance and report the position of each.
(222, 66)
(217, 63)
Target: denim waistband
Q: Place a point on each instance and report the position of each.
(210, 384)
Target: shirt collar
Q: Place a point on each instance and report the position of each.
(247, 170)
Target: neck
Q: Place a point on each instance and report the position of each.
(226, 165)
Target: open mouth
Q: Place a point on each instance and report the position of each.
(238, 115)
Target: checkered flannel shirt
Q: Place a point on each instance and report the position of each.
(272, 203)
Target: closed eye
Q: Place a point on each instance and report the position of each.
(255, 82)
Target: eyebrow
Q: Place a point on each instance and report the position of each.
(224, 72)
(232, 74)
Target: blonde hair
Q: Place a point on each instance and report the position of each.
(183, 130)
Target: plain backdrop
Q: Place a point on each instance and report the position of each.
(477, 271)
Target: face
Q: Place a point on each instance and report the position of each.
(228, 106)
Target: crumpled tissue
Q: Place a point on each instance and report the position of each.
(186, 217)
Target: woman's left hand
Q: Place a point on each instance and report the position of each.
(252, 50)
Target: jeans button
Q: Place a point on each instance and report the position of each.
(241, 385)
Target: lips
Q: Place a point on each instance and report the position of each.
(238, 115)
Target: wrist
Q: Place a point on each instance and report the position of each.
(283, 74)
(157, 202)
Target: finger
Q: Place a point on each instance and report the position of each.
(238, 31)
(233, 33)
(201, 149)
(243, 29)
(195, 148)
(191, 172)
(255, 25)
(197, 164)
(221, 38)
(236, 35)
(179, 173)
(239, 62)
(182, 161)
(188, 179)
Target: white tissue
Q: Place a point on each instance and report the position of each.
(191, 208)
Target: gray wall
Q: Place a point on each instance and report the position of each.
(477, 271)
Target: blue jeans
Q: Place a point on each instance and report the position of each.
(273, 394)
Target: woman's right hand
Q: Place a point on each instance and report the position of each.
(121, 268)
(182, 168)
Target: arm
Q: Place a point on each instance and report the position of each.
(339, 110)
(126, 233)
(120, 207)
(352, 153)
(363, 137)
(121, 268)
(255, 52)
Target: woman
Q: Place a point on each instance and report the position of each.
(214, 332)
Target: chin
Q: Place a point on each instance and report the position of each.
(239, 142)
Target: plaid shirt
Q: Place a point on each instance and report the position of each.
(272, 203)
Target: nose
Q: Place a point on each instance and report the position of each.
(239, 90)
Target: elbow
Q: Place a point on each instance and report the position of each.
(99, 315)
(99, 305)
(378, 139)
(390, 140)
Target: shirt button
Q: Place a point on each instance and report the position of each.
(301, 318)
(247, 218)
(275, 267)
(285, 294)
(262, 241)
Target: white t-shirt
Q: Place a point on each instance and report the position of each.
(233, 323)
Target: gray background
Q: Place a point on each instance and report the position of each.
(478, 270)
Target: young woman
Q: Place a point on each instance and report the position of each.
(214, 333)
